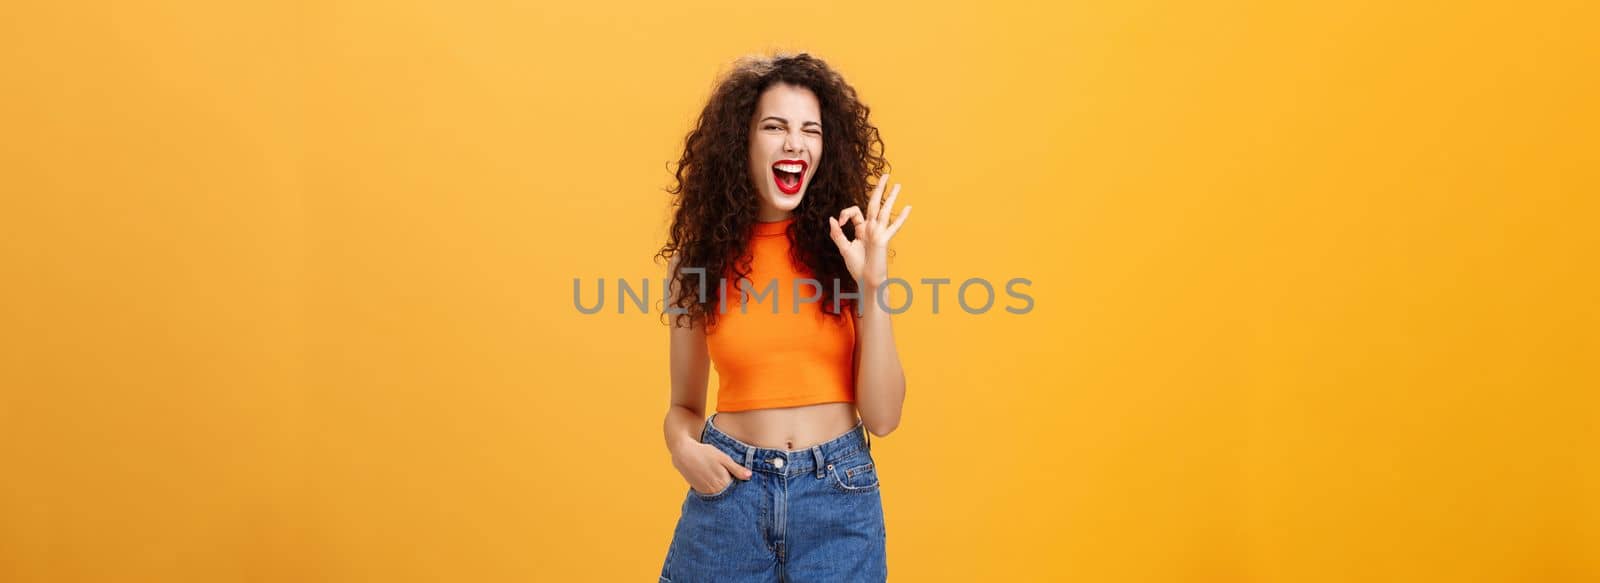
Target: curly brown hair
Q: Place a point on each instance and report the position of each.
(716, 202)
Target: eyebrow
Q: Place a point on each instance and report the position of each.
(774, 117)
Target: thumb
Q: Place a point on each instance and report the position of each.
(734, 468)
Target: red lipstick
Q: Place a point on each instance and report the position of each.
(789, 175)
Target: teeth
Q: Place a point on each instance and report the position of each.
(790, 168)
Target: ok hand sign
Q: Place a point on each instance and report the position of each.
(867, 257)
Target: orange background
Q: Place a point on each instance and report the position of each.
(288, 287)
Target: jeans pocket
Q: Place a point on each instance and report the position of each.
(854, 475)
(732, 481)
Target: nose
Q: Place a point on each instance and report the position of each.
(791, 143)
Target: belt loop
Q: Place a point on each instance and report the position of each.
(749, 455)
(869, 437)
(816, 451)
(708, 426)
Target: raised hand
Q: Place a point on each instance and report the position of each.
(867, 257)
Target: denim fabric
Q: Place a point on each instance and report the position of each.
(807, 515)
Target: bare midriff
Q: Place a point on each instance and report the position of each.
(788, 428)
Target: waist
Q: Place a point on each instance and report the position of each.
(786, 461)
(792, 427)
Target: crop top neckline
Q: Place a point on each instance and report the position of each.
(772, 228)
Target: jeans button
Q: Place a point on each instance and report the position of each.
(777, 462)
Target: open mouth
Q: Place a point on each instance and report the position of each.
(788, 175)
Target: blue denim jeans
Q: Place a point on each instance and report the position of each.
(805, 515)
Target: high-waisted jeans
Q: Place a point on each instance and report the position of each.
(805, 515)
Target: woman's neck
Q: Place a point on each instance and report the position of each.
(771, 215)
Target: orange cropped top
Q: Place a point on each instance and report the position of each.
(784, 359)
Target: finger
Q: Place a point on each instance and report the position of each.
(877, 195)
(888, 206)
(837, 234)
(846, 214)
(715, 485)
(900, 220)
(853, 214)
(734, 468)
(843, 213)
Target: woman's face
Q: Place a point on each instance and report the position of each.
(785, 146)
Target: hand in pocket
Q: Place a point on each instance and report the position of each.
(707, 469)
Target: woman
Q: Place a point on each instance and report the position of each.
(782, 483)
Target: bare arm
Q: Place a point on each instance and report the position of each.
(703, 466)
(690, 368)
(880, 382)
